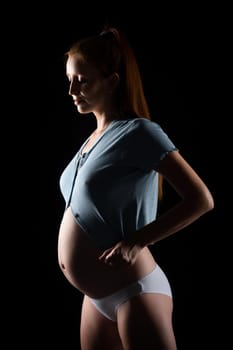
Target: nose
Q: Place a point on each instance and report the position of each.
(74, 88)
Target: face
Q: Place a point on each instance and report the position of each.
(88, 88)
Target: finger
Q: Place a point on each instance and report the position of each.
(105, 254)
(112, 257)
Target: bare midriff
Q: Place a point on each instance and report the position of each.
(78, 259)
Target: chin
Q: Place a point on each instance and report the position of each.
(83, 110)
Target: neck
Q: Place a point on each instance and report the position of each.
(103, 120)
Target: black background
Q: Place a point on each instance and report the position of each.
(181, 53)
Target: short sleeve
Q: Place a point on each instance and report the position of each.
(149, 144)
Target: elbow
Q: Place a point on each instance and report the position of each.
(201, 203)
(208, 201)
(204, 202)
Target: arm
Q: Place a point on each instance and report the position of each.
(196, 200)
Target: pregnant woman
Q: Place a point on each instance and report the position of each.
(111, 188)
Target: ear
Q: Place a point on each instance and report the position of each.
(114, 80)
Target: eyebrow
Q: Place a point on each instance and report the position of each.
(81, 75)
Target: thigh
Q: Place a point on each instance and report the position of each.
(96, 331)
(145, 322)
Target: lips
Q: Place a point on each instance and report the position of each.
(78, 101)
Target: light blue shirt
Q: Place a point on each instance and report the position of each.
(112, 189)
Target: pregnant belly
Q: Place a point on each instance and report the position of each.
(78, 259)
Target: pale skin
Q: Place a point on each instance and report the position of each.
(144, 321)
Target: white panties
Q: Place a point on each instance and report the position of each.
(154, 282)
